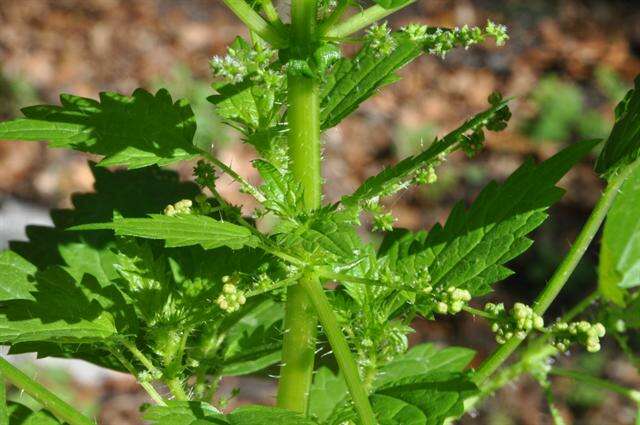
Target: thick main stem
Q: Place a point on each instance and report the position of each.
(46, 398)
(300, 322)
(564, 271)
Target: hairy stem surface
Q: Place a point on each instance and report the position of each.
(300, 320)
(46, 398)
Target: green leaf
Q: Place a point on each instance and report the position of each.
(393, 176)
(60, 312)
(255, 341)
(623, 145)
(282, 194)
(16, 277)
(20, 414)
(328, 391)
(470, 251)
(181, 230)
(263, 415)
(195, 413)
(135, 131)
(184, 413)
(437, 395)
(355, 80)
(393, 411)
(619, 266)
(425, 358)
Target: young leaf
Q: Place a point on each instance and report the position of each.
(623, 145)
(470, 251)
(135, 131)
(355, 80)
(263, 415)
(393, 176)
(283, 195)
(619, 266)
(352, 81)
(181, 230)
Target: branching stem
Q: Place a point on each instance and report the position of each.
(256, 23)
(564, 271)
(362, 20)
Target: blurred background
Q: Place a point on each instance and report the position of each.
(568, 62)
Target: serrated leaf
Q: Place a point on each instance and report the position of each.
(619, 266)
(328, 391)
(181, 230)
(16, 277)
(471, 249)
(623, 145)
(135, 131)
(263, 415)
(355, 80)
(282, 194)
(184, 413)
(391, 176)
(60, 312)
(20, 414)
(437, 395)
(195, 413)
(425, 358)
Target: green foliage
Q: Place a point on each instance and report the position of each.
(19, 414)
(170, 282)
(619, 266)
(191, 413)
(623, 145)
(135, 131)
(181, 230)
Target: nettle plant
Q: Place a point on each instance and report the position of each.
(168, 281)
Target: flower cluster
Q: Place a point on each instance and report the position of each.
(518, 322)
(449, 301)
(426, 175)
(244, 60)
(180, 207)
(498, 32)
(582, 332)
(380, 40)
(231, 299)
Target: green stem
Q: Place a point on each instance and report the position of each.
(270, 12)
(46, 398)
(341, 350)
(362, 20)
(256, 23)
(335, 16)
(147, 386)
(562, 274)
(298, 350)
(300, 321)
(4, 414)
(633, 395)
